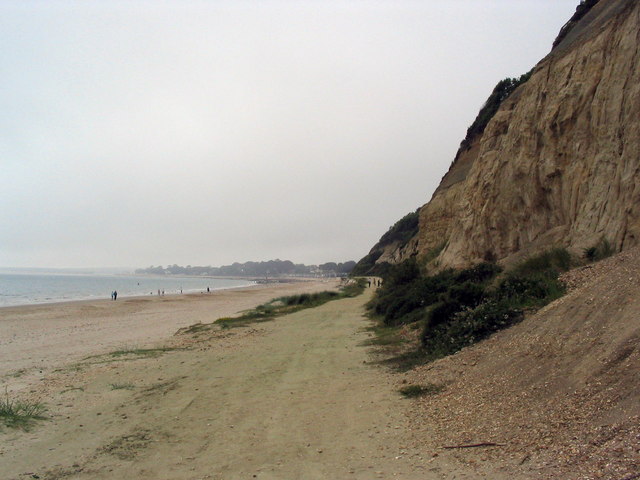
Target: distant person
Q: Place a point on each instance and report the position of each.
(115, 294)
(208, 291)
(112, 294)
(369, 282)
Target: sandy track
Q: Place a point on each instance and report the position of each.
(290, 399)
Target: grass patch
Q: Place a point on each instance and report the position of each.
(196, 328)
(76, 367)
(412, 391)
(242, 321)
(141, 352)
(122, 386)
(126, 354)
(281, 306)
(20, 414)
(384, 336)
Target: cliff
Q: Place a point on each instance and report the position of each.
(558, 162)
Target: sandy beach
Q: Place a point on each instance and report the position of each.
(37, 339)
(300, 397)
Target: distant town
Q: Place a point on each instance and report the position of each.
(269, 269)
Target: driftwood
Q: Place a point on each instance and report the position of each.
(474, 445)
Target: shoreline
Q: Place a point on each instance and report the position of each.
(121, 297)
(189, 290)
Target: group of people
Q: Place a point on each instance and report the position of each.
(114, 295)
(376, 282)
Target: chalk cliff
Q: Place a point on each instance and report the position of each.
(558, 164)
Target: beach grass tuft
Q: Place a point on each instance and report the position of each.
(20, 413)
(122, 386)
(141, 352)
(126, 353)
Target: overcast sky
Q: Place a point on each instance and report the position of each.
(142, 133)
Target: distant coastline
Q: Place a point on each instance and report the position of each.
(269, 269)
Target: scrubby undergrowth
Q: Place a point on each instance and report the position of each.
(456, 308)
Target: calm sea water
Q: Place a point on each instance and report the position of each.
(31, 288)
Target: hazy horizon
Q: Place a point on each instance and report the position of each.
(205, 133)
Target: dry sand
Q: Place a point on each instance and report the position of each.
(42, 337)
(296, 398)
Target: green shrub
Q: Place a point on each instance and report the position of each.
(458, 308)
(534, 290)
(402, 231)
(468, 326)
(411, 391)
(500, 93)
(599, 251)
(406, 294)
(366, 265)
(479, 273)
(554, 260)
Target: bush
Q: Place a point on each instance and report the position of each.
(480, 273)
(458, 308)
(402, 231)
(467, 327)
(535, 290)
(366, 264)
(552, 261)
(411, 391)
(500, 93)
(599, 251)
(406, 295)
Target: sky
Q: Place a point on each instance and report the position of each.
(137, 133)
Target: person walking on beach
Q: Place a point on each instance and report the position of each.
(115, 295)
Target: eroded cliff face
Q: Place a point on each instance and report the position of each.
(559, 163)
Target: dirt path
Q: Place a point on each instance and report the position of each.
(290, 399)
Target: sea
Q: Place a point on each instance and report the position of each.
(28, 288)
